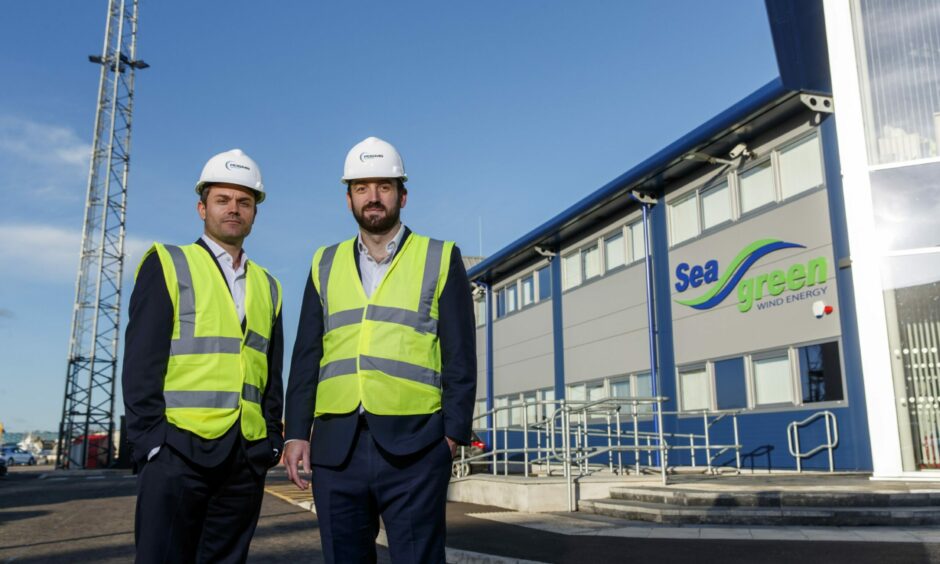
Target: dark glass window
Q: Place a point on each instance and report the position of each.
(545, 283)
(820, 372)
(730, 388)
(501, 303)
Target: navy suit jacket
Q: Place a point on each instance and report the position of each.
(332, 435)
(146, 354)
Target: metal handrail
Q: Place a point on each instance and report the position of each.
(832, 438)
(563, 434)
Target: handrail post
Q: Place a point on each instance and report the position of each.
(610, 445)
(829, 441)
(799, 457)
(525, 438)
(636, 438)
(662, 442)
(494, 433)
(737, 442)
(566, 439)
(692, 448)
(708, 444)
(506, 450)
(619, 446)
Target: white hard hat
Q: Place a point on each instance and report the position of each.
(373, 158)
(232, 167)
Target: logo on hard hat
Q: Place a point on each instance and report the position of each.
(232, 164)
(368, 156)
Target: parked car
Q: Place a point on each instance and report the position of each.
(477, 447)
(3, 467)
(16, 455)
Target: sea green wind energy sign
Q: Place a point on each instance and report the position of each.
(799, 280)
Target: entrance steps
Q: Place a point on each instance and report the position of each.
(778, 499)
(809, 503)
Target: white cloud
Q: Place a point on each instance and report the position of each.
(47, 162)
(43, 144)
(50, 253)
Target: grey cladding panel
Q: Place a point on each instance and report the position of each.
(523, 353)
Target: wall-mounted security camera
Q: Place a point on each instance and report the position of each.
(739, 150)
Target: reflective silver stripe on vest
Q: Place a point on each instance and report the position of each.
(188, 343)
(211, 400)
(400, 369)
(432, 269)
(418, 321)
(257, 342)
(251, 393)
(344, 318)
(326, 263)
(340, 367)
(206, 345)
(273, 283)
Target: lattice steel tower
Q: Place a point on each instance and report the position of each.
(87, 425)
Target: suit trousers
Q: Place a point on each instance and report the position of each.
(189, 513)
(409, 492)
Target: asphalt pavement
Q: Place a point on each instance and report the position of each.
(88, 517)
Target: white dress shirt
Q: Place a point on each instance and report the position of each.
(371, 270)
(235, 278)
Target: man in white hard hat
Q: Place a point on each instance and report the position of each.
(384, 369)
(202, 378)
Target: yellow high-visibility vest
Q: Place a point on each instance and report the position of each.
(216, 373)
(383, 351)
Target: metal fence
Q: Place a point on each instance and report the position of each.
(573, 439)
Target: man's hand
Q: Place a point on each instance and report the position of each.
(294, 452)
(453, 446)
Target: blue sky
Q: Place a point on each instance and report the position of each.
(505, 113)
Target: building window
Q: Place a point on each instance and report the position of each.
(545, 283)
(683, 219)
(572, 270)
(637, 243)
(643, 388)
(528, 290)
(800, 167)
(480, 311)
(757, 186)
(716, 205)
(635, 386)
(591, 261)
(515, 413)
(512, 303)
(772, 381)
(501, 303)
(730, 384)
(531, 407)
(621, 388)
(614, 251)
(576, 392)
(502, 415)
(820, 372)
(694, 389)
(479, 410)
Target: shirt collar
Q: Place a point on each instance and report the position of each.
(222, 254)
(391, 246)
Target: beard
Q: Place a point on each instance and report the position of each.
(378, 225)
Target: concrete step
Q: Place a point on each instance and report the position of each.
(758, 515)
(774, 498)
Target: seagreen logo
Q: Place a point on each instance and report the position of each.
(749, 290)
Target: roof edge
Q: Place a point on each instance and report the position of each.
(717, 125)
